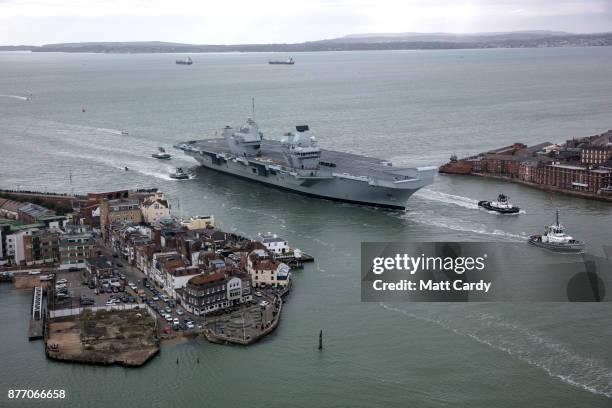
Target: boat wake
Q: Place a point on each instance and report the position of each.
(445, 198)
(525, 344)
(23, 98)
(111, 131)
(433, 219)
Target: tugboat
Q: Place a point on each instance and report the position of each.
(502, 205)
(186, 61)
(161, 154)
(555, 239)
(179, 174)
(282, 62)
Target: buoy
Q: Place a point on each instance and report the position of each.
(198, 360)
(177, 360)
(83, 110)
(321, 340)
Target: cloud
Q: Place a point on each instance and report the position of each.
(244, 21)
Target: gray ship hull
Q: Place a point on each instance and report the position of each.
(386, 192)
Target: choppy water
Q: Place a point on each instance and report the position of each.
(411, 107)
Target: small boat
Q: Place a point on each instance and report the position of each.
(124, 132)
(502, 205)
(125, 168)
(555, 239)
(282, 62)
(161, 154)
(186, 61)
(179, 174)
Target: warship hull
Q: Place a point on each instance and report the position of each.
(385, 186)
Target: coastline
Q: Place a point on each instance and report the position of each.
(550, 189)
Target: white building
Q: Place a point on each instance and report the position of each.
(273, 243)
(178, 278)
(155, 208)
(266, 271)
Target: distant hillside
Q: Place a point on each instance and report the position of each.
(400, 41)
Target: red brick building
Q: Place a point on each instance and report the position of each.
(575, 178)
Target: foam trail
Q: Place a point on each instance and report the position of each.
(528, 346)
(452, 224)
(23, 98)
(438, 196)
(112, 131)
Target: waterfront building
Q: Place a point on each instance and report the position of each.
(117, 211)
(155, 208)
(9, 208)
(30, 213)
(199, 222)
(273, 243)
(74, 249)
(205, 293)
(574, 178)
(266, 271)
(39, 247)
(594, 154)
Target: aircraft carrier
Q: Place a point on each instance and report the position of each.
(296, 163)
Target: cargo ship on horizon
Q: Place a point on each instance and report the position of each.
(296, 163)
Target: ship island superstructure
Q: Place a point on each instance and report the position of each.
(298, 164)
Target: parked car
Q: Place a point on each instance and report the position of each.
(167, 310)
(155, 298)
(180, 312)
(189, 325)
(168, 318)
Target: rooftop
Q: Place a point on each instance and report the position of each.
(202, 280)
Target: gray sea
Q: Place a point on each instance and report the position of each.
(411, 107)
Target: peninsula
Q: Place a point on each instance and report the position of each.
(580, 167)
(114, 275)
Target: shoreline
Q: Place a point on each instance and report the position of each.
(542, 187)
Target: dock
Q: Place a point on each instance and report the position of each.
(36, 327)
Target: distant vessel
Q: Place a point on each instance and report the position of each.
(186, 61)
(502, 205)
(555, 239)
(161, 154)
(125, 168)
(282, 62)
(179, 174)
(124, 132)
(297, 164)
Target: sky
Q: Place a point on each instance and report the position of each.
(36, 22)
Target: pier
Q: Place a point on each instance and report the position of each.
(36, 327)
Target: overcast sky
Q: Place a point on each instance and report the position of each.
(36, 22)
